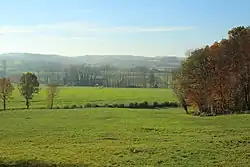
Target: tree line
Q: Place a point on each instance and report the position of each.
(108, 76)
(28, 87)
(215, 79)
(91, 75)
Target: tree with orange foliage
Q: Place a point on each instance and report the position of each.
(194, 78)
(52, 93)
(216, 78)
(6, 89)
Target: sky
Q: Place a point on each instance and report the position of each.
(117, 27)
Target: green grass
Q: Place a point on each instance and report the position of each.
(124, 137)
(83, 95)
(120, 137)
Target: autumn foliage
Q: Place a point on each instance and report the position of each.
(52, 92)
(216, 79)
(6, 89)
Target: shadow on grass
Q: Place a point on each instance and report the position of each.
(36, 163)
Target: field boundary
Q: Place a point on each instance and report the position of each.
(133, 105)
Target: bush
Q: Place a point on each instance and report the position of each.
(73, 106)
(121, 106)
(155, 104)
(173, 104)
(146, 103)
(131, 105)
(66, 107)
(106, 105)
(115, 105)
(165, 104)
(160, 105)
(136, 105)
(143, 104)
(94, 106)
(88, 105)
(57, 107)
(110, 106)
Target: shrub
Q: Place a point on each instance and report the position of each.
(110, 106)
(160, 105)
(136, 105)
(115, 105)
(80, 106)
(131, 105)
(155, 104)
(88, 105)
(57, 107)
(73, 106)
(121, 106)
(143, 104)
(94, 105)
(173, 104)
(66, 107)
(165, 104)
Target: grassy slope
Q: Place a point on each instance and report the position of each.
(102, 137)
(83, 95)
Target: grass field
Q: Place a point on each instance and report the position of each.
(124, 137)
(119, 137)
(83, 95)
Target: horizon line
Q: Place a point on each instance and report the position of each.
(56, 54)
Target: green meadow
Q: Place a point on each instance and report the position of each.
(118, 137)
(82, 95)
(124, 137)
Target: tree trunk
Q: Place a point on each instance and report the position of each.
(247, 97)
(184, 103)
(27, 103)
(185, 108)
(4, 102)
(52, 101)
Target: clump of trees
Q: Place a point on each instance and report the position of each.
(28, 87)
(215, 79)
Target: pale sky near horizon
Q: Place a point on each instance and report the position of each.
(116, 27)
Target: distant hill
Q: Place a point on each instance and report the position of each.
(122, 61)
(33, 57)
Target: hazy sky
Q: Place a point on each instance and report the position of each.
(124, 27)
